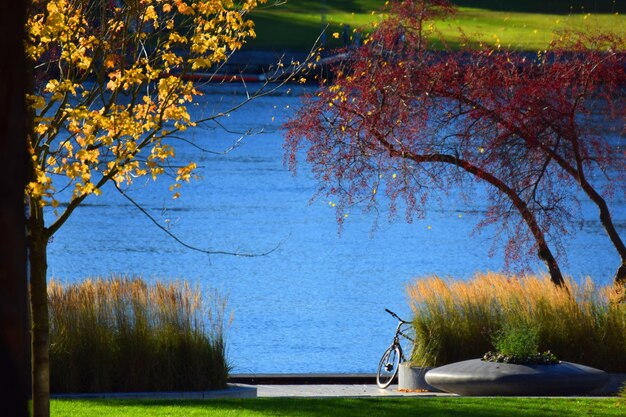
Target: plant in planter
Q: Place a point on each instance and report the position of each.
(516, 368)
(519, 344)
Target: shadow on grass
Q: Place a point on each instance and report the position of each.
(543, 6)
(321, 6)
(275, 32)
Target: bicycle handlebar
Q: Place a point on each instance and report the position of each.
(393, 314)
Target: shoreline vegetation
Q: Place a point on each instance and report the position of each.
(458, 320)
(122, 334)
(521, 26)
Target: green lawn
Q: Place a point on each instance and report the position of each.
(525, 31)
(297, 23)
(345, 407)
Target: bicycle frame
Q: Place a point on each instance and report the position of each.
(393, 356)
(396, 340)
(396, 337)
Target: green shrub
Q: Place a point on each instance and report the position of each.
(458, 320)
(122, 335)
(517, 340)
(519, 343)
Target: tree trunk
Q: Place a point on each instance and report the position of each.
(38, 242)
(14, 127)
(577, 172)
(544, 252)
(620, 275)
(605, 214)
(546, 256)
(609, 227)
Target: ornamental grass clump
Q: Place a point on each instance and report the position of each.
(123, 335)
(456, 320)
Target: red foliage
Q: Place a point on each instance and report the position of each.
(403, 119)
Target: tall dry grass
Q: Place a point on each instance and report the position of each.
(457, 320)
(123, 335)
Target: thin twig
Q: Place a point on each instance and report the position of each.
(188, 246)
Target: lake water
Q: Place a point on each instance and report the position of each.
(316, 303)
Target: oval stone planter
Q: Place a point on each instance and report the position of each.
(478, 377)
(412, 378)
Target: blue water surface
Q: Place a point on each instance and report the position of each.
(316, 302)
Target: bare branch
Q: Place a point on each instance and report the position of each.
(186, 245)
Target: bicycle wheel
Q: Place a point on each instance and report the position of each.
(388, 366)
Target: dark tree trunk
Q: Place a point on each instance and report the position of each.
(609, 227)
(544, 252)
(620, 275)
(38, 241)
(605, 214)
(576, 170)
(14, 125)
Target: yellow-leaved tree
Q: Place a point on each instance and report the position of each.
(109, 89)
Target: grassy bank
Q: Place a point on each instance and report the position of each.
(551, 6)
(457, 320)
(345, 407)
(121, 334)
(527, 26)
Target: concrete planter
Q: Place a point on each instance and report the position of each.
(411, 378)
(616, 382)
(478, 377)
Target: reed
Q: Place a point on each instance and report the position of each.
(121, 335)
(457, 320)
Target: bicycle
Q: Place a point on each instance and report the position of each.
(390, 361)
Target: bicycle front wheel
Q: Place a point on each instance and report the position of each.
(388, 366)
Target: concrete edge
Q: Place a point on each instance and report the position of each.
(233, 391)
(303, 379)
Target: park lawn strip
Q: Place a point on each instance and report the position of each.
(345, 407)
(294, 27)
(525, 31)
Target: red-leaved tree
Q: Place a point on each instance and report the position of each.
(403, 119)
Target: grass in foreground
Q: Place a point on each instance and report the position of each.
(345, 407)
(296, 24)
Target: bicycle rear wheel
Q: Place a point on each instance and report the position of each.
(388, 366)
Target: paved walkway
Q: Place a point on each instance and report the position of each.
(320, 386)
(265, 390)
(337, 390)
